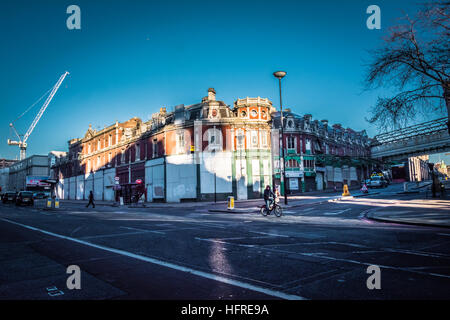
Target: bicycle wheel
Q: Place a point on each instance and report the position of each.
(263, 211)
(278, 211)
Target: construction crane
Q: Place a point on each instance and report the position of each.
(22, 142)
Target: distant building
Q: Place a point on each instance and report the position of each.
(5, 163)
(29, 173)
(418, 168)
(4, 179)
(441, 168)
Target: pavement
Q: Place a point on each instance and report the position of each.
(426, 212)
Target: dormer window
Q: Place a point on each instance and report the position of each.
(243, 114)
(254, 113)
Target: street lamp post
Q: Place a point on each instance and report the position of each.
(280, 75)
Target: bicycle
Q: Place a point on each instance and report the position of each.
(274, 206)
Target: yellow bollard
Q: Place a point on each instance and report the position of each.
(346, 193)
(56, 203)
(49, 203)
(230, 203)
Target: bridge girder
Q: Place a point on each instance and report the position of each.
(422, 139)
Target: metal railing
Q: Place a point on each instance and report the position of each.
(421, 129)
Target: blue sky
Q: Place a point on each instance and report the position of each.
(132, 57)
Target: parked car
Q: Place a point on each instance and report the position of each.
(9, 196)
(41, 195)
(378, 182)
(24, 197)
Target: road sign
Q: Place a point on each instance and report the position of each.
(138, 181)
(116, 178)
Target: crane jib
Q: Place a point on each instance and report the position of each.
(22, 142)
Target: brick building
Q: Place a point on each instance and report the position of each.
(319, 156)
(203, 151)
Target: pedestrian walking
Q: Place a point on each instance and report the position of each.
(91, 200)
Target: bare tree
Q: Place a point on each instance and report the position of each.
(415, 62)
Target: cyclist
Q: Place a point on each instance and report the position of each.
(269, 197)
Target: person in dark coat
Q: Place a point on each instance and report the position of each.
(268, 196)
(91, 200)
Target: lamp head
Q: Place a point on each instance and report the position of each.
(279, 74)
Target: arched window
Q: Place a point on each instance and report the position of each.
(240, 139)
(214, 138)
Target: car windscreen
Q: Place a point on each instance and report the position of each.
(26, 194)
(376, 178)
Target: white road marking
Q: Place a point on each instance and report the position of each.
(270, 234)
(112, 235)
(336, 212)
(224, 242)
(444, 234)
(142, 230)
(324, 256)
(76, 229)
(202, 274)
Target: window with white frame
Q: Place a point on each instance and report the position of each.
(138, 152)
(109, 140)
(155, 148)
(122, 157)
(98, 144)
(214, 137)
(254, 138)
(98, 162)
(109, 157)
(180, 143)
(263, 138)
(291, 142)
(240, 139)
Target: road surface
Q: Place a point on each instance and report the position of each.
(317, 251)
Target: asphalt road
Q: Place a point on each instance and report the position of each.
(319, 251)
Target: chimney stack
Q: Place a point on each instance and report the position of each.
(211, 94)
